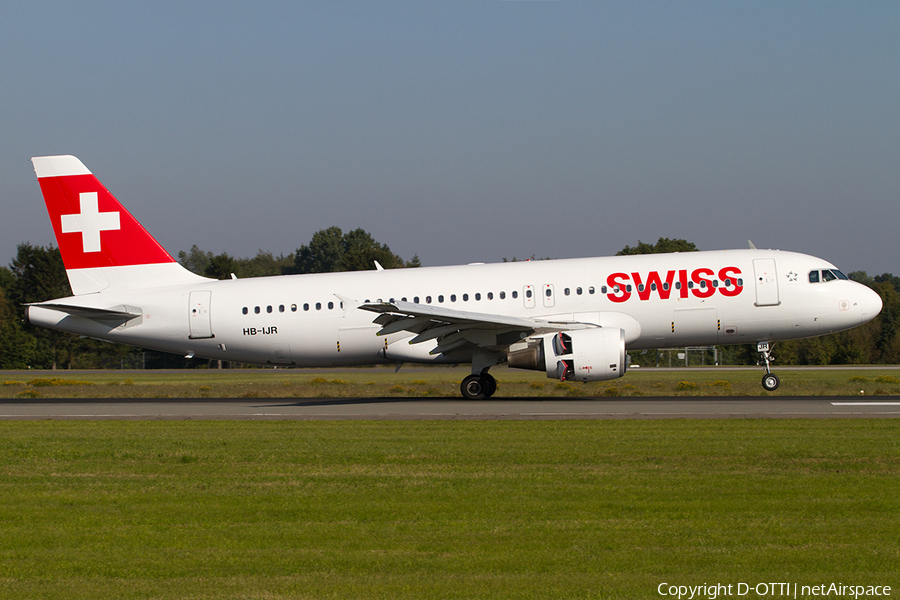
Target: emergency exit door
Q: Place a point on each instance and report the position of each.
(200, 319)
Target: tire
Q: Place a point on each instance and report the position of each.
(491, 384)
(770, 382)
(474, 387)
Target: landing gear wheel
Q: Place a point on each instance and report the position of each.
(475, 387)
(770, 381)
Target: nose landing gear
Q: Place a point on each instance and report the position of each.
(770, 380)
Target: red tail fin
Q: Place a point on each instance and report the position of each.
(101, 243)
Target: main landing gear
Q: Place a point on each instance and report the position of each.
(478, 386)
(770, 380)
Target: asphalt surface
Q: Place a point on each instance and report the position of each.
(451, 408)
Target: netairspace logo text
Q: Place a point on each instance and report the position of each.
(771, 590)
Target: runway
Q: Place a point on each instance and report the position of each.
(451, 408)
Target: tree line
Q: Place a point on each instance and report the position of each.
(37, 274)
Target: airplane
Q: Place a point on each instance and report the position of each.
(571, 318)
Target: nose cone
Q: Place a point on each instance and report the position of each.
(869, 304)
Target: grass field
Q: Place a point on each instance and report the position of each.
(433, 382)
(574, 509)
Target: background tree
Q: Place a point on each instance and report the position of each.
(331, 250)
(16, 346)
(661, 246)
(221, 266)
(322, 254)
(196, 260)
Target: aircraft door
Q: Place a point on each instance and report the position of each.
(200, 319)
(548, 295)
(528, 296)
(766, 282)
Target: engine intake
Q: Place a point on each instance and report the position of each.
(582, 355)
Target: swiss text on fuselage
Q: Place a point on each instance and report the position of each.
(700, 283)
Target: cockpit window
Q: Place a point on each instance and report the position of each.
(826, 275)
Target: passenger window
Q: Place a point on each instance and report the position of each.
(318, 306)
(578, 291)
(306, 307)
(440, 298)
(814, 277)
(256, 310)
(330, 305)
(427, 299)
(490, 295)
(477, 297)
(527, 293)
(465, 297)
(269, 308)
(516, 294)
(416, 299)
(503, 295)
(281, 308)
(293, 308)
(244, 310)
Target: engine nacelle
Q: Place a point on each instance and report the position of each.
(581, 355)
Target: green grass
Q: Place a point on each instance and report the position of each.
(432, 382)
(574, 509)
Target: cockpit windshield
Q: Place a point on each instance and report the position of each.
(826, 275)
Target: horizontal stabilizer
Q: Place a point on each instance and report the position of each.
(120, 313)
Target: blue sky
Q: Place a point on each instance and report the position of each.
(466, 131)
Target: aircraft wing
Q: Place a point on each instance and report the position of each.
(453, 329)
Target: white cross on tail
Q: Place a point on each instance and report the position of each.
(90, 222)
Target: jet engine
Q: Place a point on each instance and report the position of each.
(581, 355)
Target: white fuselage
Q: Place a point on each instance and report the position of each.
(663, 300)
